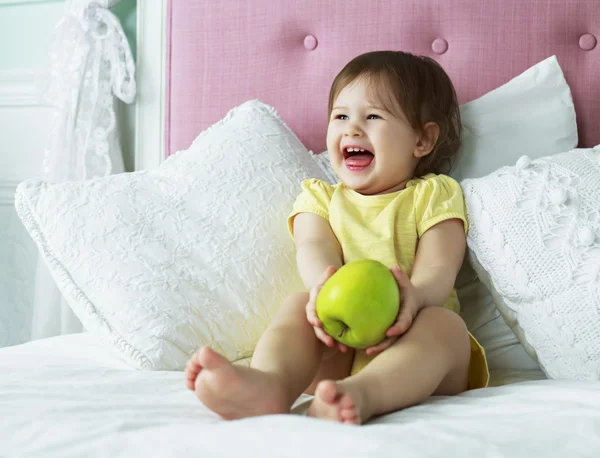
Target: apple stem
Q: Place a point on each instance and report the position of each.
(342, 331)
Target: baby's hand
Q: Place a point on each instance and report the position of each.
(311, 312)
(411, 303)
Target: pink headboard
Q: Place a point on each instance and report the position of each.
(287, 52)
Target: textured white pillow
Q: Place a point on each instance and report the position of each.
(535, 243)
(195, 252)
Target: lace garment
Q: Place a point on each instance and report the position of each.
(88, 63)
(89, 60)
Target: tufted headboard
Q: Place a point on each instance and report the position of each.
(218, 54)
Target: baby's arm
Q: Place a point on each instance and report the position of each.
(438, 259)
(316, 248)
(319, 255)
(437, 262)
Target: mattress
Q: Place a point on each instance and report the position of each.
(71, 396)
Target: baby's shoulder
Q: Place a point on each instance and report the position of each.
(434, 183)
(316, 186)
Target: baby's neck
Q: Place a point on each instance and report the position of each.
(398, 187)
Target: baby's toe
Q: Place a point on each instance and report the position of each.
(191, 372)
(192, 369)
(346, 402)
(352, 420)
(192, 364)
(195, 359)
(327, 391)
(190, 384)
(348, 411)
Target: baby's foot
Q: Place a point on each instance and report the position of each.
(233, 391)
(331, 402)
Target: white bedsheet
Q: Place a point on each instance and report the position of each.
(70, 396)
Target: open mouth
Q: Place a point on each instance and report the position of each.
(357, 158)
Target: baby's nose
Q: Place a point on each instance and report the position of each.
(353, 130)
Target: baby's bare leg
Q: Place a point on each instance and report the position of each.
(431, 358)
(290, 349)
(286, 359)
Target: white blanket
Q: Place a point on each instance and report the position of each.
(69, 396)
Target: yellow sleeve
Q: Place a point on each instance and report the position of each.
(314, 198)
(438, 198)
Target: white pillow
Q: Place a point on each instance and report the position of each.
(534, 240)
(531, 114)
(503, 349)
(195, 252)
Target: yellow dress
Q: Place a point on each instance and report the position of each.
(387, 228)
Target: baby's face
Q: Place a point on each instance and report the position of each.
(371, 150)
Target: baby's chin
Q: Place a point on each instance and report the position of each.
(368, 188)
(365, 183)
(358, 186)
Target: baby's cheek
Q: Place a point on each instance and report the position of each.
(331, 139)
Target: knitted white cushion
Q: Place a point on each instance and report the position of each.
(534, 241)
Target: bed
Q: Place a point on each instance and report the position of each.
(68, 396)
(78, 395)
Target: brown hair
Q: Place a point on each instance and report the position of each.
(418, 86)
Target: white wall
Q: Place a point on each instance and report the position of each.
(24, 128)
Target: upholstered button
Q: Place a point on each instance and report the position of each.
(310, 42)
(587, 42)
(439, 46)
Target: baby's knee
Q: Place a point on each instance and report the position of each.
(444, 316)
(296, 301)
(299, 296)
(293, 308)
(449, 327)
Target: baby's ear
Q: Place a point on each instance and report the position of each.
(427, 140)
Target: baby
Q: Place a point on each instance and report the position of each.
(393, 134)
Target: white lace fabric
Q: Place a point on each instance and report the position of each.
(535, 242)
(89, 62)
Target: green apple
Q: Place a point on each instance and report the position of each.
(359, 303)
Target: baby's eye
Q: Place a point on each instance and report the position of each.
(343, 117)
(373, 116)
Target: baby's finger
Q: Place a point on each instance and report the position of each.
(343, 348)
(384, 345)
(312, 295)
(324, 337)
(315, 322)
(400, 326)
(401, 277)
(311, 316)
(326, 274)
